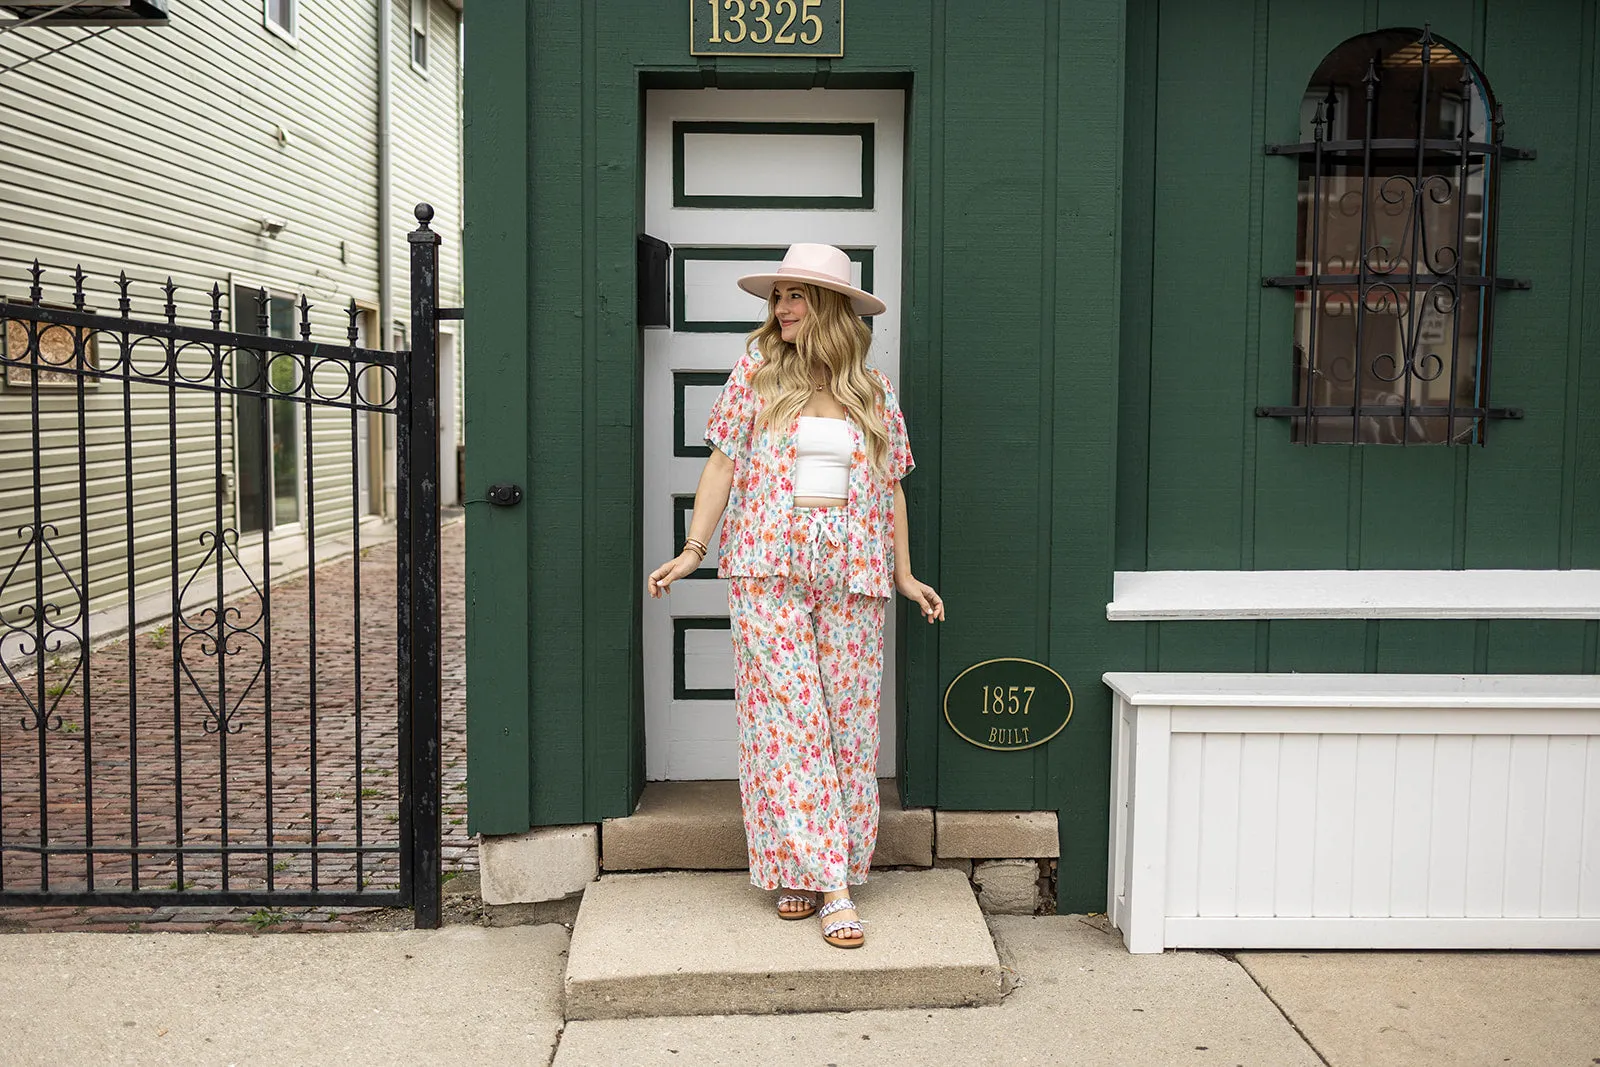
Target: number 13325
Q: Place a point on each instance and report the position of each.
(788, 27)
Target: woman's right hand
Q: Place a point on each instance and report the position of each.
(686, 563)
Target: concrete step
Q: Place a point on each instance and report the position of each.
(697, 826)
(712, 944)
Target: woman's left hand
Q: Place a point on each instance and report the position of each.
(923, 596)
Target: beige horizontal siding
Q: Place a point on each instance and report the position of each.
(154, 151)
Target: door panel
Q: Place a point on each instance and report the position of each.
(732, 178)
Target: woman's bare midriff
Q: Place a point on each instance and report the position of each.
(819, 502)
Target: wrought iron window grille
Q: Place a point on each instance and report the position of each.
(1381, 319)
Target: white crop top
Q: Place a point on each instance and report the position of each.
(822, 460)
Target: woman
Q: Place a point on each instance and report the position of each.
(808, 449)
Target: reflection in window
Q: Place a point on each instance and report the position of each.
(266, 431)
(1395, 259)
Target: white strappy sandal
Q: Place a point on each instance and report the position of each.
(808, 908)
(830, 931)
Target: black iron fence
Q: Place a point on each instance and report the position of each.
(219, 606)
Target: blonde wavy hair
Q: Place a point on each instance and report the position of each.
(832, 335)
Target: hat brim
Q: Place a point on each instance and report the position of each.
(864, 303)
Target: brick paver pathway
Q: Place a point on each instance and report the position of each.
(133, 736)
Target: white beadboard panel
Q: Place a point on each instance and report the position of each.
(1487, 815)
(1333, 854)
(1447, 856)
(1589, 873)
(1413, 825)
(1184, 819)
(1525, 810)
(804, 165)
(1297, 815)
(1563, 827)
(1415, 830)
(1217, 891)
(1258, 823)
(1372, 850)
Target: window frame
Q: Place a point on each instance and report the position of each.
(289, 33)
(271, 528)
(424, 10)
(1326, 152)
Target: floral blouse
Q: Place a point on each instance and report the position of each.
(756, 524)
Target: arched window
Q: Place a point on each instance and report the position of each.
(1395, 273)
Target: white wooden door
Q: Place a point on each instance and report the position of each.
(732, 178)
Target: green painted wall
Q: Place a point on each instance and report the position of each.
(1206, 214)
(1009, 381)
(1072, 342)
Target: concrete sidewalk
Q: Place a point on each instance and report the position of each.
(469, 995)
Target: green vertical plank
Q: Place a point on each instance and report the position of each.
(1409, 505)
(1301, 501)
(1203, 160)
(1083, 466)
(1544, 646)
(1412, 646)
(1138, 292)
(1207, 646)
(1317, 646)
(1517, 479)
(1250, 351)
(922, 729)
(1583, 522)
(495, 263)
(556, 418)
(613, 590)
(993, 181)
(1050, 182)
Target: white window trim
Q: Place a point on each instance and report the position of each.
(1149, 596)
(427, 28)
(292, 34)
(279, 531)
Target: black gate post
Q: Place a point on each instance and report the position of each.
(418, 461)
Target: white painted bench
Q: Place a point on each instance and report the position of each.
(1355, 811)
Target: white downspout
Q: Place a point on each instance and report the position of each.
(386, 307)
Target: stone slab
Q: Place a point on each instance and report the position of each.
(1439, 1008)
(1080, 999)
(703, 943)
(1007, 887)
(996, 835)
(460, 995)
(546, 863)
(698, 826)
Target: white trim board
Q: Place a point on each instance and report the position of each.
(1174, 690)
(1467, 594)
(1328, 932)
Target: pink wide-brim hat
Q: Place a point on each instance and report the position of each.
(821, 265)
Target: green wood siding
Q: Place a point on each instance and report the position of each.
(1009, 355)
(1205, 484)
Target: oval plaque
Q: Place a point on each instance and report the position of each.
(1007, 704)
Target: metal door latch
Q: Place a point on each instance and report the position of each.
(503, 496)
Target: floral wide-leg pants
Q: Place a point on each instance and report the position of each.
(808, 658)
